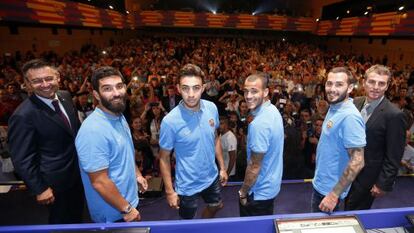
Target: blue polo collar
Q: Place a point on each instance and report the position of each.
(188, 111)
(257, 110)
(107, 115)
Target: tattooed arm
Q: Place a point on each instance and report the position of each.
(355, 164)
(252, 172)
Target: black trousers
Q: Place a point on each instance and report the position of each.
(359, 198)
(68, 205)
(256, 208)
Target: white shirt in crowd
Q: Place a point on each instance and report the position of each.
(229, 143)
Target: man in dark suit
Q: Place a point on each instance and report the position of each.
(42, 133)
(385, 132)
(171, 100)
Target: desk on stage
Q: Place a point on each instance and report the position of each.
(378, 218)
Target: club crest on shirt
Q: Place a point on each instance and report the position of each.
(329, 124)
(211, 122)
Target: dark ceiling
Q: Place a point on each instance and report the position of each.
(343, 9)
(352, 8)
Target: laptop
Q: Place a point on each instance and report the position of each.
(325, 224)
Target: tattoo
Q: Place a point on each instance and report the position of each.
(252, 171)
(355, 164)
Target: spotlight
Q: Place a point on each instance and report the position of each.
(254, 13)
(127, 12)
(348, 11)
(111, 7)
(103, 52)
(337, 18)
(214, 12)
(283, 39)
(317, 20)
(366, 13)
(401, 8)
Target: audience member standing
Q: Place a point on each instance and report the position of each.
(229, 146)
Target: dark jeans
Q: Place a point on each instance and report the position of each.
(256, 208)
(317, 199)
(210, 195)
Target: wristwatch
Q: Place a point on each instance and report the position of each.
(127, 210)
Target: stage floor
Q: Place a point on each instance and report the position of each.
(18, 208)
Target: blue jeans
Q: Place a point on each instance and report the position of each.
(317, 199)
(210, 195)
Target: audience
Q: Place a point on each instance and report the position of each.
(150, 65)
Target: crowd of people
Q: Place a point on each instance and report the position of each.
(253, 90)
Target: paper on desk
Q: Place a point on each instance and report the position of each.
(5, 188)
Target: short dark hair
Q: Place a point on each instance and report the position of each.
(36, 64)
(81, 93)
(318, 118)
(14, 84)
(259, 75)
(191, 70)
(224, 120)
(103, 72)
(345, 70)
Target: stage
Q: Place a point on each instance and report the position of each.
(380, 218)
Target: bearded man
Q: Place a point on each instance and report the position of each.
(340, 151)
(106, 153)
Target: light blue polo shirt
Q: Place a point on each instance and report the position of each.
(104, 142)
(192, 136)
(342, 129)
(266, 135)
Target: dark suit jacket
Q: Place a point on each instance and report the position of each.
(42, 147)
(165, 101)
(385, 135)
